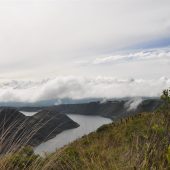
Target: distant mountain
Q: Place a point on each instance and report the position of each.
(51, 102)
(45, 103)
(113, 109)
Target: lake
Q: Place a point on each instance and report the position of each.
(87, 124)
(29, 113)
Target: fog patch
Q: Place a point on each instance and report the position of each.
(103, 101)
(133, 104)
(58, 102)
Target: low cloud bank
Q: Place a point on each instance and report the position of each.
(81, 88)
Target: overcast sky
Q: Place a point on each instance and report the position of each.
(124, 39)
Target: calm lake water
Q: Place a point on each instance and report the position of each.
(87, 124)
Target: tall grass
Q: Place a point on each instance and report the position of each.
(15, 137)
(136, 142)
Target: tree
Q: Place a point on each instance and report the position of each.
(165, 109)
(166, 102)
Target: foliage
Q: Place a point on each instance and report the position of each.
(165, 108)
(23, 158)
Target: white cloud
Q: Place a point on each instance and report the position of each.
(145, 63)
(80, 88)
(46, 37)
(143, 55)
(49, 38)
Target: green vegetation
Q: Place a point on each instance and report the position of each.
(137, 142)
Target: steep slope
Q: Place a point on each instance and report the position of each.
(17, 129)
(50, 123)
(137, 142)
(11, 122)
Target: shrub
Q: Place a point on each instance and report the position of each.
(23, 158)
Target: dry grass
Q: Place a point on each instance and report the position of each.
(137, 142)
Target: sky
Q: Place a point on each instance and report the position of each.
(46, 43)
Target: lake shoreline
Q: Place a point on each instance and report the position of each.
(87, 124)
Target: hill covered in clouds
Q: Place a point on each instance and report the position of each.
(65, 90)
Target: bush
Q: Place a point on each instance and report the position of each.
(23, 158)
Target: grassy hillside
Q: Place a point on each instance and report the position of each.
(137, 142)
